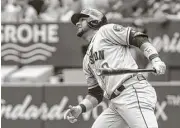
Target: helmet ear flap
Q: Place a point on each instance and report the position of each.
(95, 24)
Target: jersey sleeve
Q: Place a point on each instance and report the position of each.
(91, 80)
(116, 34)
(137, 38)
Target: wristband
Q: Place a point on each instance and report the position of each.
(83, 107)
(157, 59)
(151, 57)
(86, 105)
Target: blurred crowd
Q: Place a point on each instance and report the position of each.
(62, 10)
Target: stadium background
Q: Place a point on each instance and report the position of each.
(41, 58)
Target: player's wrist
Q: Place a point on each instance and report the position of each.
(79, 108)
(86, 105)
(157, 59)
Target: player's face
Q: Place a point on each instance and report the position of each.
(82, 26)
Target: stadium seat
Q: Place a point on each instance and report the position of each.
(6, 71)
(73, 76)
(32, 74)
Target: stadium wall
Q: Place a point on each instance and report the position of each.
(43, 105)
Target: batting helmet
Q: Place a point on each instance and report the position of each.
(95, 18)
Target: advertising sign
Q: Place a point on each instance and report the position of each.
(40, 43)
(57, 44)
(18, 105)
(44, 107)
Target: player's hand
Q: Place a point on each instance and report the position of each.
(159, 66)
(72, 113)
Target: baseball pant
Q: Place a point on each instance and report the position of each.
(133, 108)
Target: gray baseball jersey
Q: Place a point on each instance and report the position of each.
(108, 48)
(134, 107)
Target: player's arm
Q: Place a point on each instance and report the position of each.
(141, 41)
(115, 34)
(92, 99)
(95, 93)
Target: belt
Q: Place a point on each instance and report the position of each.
(121, 88)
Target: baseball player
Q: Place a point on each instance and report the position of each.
(132, 98)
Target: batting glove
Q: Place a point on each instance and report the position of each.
(72, 113)
(158, 65)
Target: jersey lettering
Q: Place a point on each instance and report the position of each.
(98, 55)
(105, 65)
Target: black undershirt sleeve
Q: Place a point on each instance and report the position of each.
(96, 92)
(137, 38)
